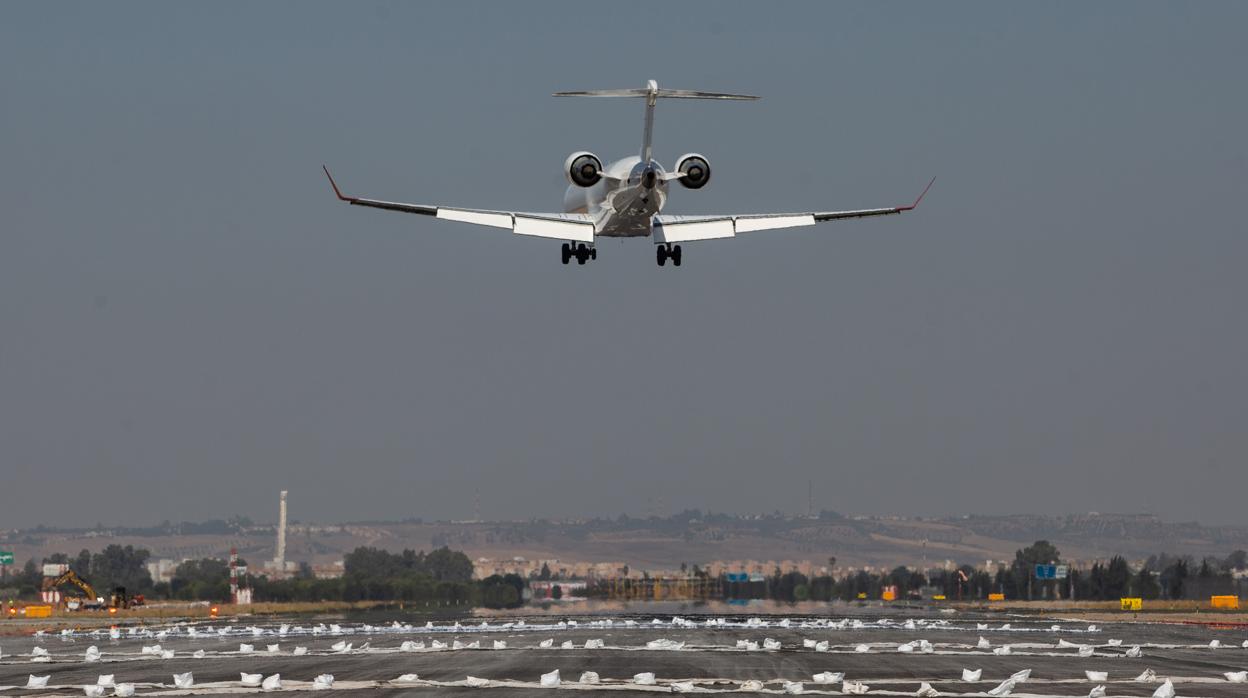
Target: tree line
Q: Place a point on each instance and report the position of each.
(1161, 577)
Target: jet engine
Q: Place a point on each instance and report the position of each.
(696, 170)
(583, 169)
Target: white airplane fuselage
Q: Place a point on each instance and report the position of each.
(624, 201)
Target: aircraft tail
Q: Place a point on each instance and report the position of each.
(652, 92)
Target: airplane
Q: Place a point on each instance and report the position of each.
(626, 198)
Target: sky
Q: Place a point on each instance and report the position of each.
(190, 322)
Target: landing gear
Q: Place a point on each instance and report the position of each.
(582, 252)
(664, 252)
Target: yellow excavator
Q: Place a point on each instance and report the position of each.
(89, 598)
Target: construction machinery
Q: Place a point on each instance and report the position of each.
(89, 599)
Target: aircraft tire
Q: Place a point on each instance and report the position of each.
(660, 255)
(676, 256)
(566, 252)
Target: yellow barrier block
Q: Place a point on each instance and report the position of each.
(38, 611)
(938, 597)
(889, 595)
(1131, 604)
(1230, 603)
(862, 595)
(996, 597)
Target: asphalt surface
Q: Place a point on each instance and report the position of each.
(709, 656)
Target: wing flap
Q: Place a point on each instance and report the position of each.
(494, 219)
(676, 230)
(553, 228)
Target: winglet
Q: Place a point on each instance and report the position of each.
(334, 184)
(899, 208)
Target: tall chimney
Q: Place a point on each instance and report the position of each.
(281, 534)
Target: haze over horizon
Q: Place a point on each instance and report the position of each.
(190, 322)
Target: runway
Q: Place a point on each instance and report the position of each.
(691, 653)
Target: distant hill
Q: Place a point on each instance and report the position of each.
(664, 543)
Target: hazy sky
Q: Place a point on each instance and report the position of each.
(190, 322)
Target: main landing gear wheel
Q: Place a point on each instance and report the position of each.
(662, 253)
(582, 252)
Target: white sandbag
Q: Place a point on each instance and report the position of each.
(1097, 676)
(457, 645)
(272, 683)
(907, 647)
(972, 675)
(37, 681)
(750, 645)
(273, 649)
(983, 643)
(184, 680)
(543, 643)
(1245, 645)
(342, 647)
(93, 691)
(793, 688)
(862, 649)
(1093, 629)
(434, 644)
(595, 644)
(323, 682)
(1114, 642)
(166, 654)
(1004, 688)
(822, 646)
(588, 677)
(567, 645)
(1165, 690)
(1097, 691)
(407, 678)
(246, 649)
(1021, 676)
(1148, 676)
(1236, 676)
(123, 690)
(300, 651)
(1002, 650)
(770, 644)
(1085, 651)
(1135, 652)
(410, 646)
(1005, 626)
(250, 680)
(751, 686)
(645, 678)
(1214, 644)
(476, 681)
(106, 680)
(828, 677)
(500, 644)
(1067, 644)
(981, 626)
(150, 649)
(199, 654)
(926, 647)
(550, 680)
(854, 688)
(1055, 628)
(808, 643)
(683, 687)
(926, 691)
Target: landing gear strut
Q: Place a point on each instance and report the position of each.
(581, 252)
(667, 251)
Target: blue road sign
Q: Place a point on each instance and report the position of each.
(1046, 571)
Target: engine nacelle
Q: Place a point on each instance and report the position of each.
(696, 170)
(583, 169)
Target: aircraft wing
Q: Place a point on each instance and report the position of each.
(560, 226)
(690, 228)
